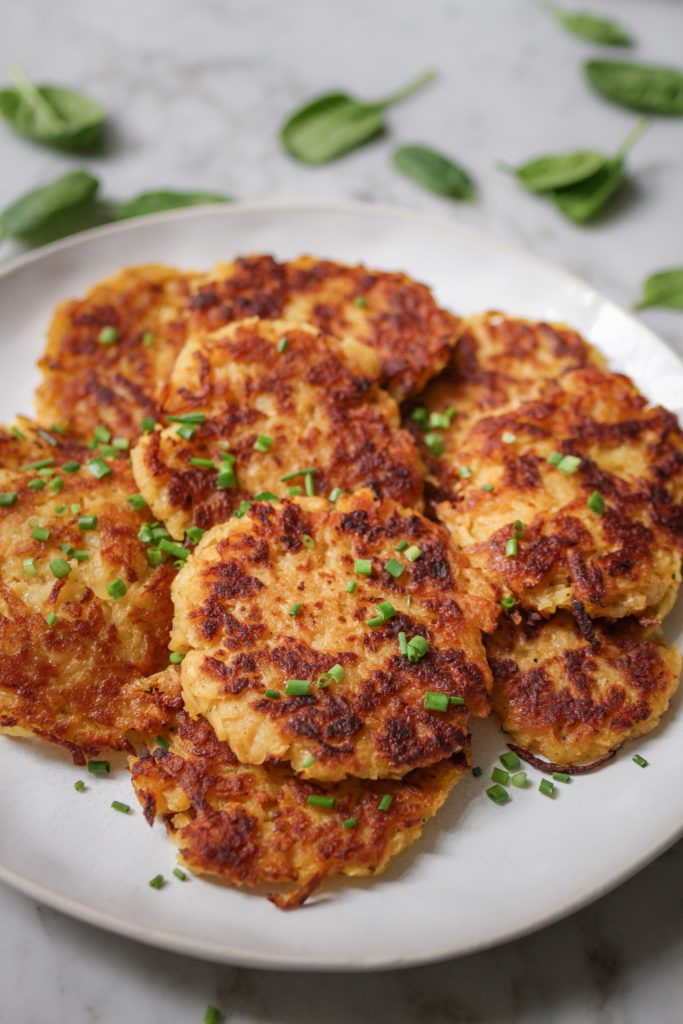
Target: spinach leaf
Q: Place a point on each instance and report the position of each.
(550, 172)
(51, 115)
(654, 90)
(582, 201)
(590, 26)
(35, 209)
(663, 289)
(155, 202)
(336, 123)
(434, 171)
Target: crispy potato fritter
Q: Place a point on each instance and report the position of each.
(287, 664)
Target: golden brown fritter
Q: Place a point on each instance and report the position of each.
(109, 354)
(390, 312)
(72, 652)
(272, 398)
(602, 527)
(283, 662)
(253, 825)
(573, 690)
(498, 361)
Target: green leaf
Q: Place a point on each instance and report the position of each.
(155, 202)
(654, 90)
(550, 172)
(51, 115)
(663, 289)
(434, 171)
(35, 209)
(592, 27)
(336, 123)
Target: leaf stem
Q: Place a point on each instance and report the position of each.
(632, 137)
(32, 95)
(407, 90)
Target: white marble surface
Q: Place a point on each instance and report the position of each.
(196, 93)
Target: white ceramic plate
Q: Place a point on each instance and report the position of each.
(481, 874)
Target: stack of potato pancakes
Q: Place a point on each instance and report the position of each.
(282, 529)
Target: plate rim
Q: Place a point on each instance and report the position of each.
(211, 951)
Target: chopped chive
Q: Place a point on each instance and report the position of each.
(186, 431)
(363, 567)
(195, 534)
(315, 800)
(310, 760)
(518, 528)
(403, 644)
(263, 443)
(477, 771)
(56, 485)
(386, 610)
(47, 472)
(546, 787)
(121, 807)
(486, 487)
(508, 602)
(212, 1015)
(297, 687)
(555, 458)
(569, 464)
(171, 548)
(394, 568)
(596, 503)
(108, 335)
(157, 882)
(188, 417)
(439, 420)
(242, 509)
(40, 533)
(8, 498)
(307, 541)
(518, 780)
(147, 425)
(99, 767)
(464, 472)
(295, 491)
(562, 777)
(360, 301)
(162, 742)
(30, 567)
(40, 464)
(51, 618)
(99, 468)
(102, 435)
(297, 472)
(266, 496)
(349, 823)
(508, 438)
(57, 428)
(510, 760)
(116, 589)
(511, 548)
(498, 794)
(435, 701)
(294, 610)
(385, 803)
(226, 478)
(175, 657)
(417, 648)
(412, 553)
(122, 444)
(87, 522)
(309, 485)
(376, 620)
(74, 508)
(335, 494)
(273, 694)
(148, 339)
(79, 785)
(282, 345)
(60, 568)
(498, 775)
(59, 509)
(180, 875)
(19, 434)
(136, 501)
(36, 485)
(70, 467)
(456, 700)
(402, 545)
(419, 414)
(351, 586)
(640, 760)
(434, 444)
(337, 672)
(202, 463)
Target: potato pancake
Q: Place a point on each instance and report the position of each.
(575, 495)
(336, 638)
(573, 690)
(109, 354)
(252, 406)
(83, 614)
(254, 826)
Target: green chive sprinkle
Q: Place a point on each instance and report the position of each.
(562, 777)
(148, 339)
(30, 567)
(212, 1015)
(315, 800)
(307, 541)
(360, 301)
(297, 472)
(74, 508)
(175, 657)
(40, 464)
(508, 438)
(500, 776)
(8, 498)
(186, 431)
(188, 417)
(386, 610)
(116, 589)
(282, 345)
(417, 648)
(337, 672)
(309, 485)
(294, 610)
(419, 414)
(435, 701)
(51, 618)
(518, 528)
(102, 435)
(180, 875)
(60, 568)
(456, 700)
(56, 485)
(121, 444)
(385, 803)
(195, 534)
(310, 760)
(36, 485)
(156, 882)
(508, 602)
(147, 425)
(511, 548)
(546, 787)
(402, 545)
(413, 553)
(202, 463)
(498, 794)
(349, 823)
(162, 742)
(171, 548)
(99, 468)
(263, 443)
(596, 503)
(99, 767)
(18, 433)
(87, 522)
(518, 780)
(434, 444)
(297, 687)
(569, 464)
(108, 335)
(403, 644)
(477, 771)
(351, 586)
(555, 458)
(376, 620)
(464, 472)
(363, 567)
(40, 533)
(79, 785)
(272, 694)
(121, 807)
(46, 472)
(80, 555)
(59, 509)
(266, 496)
(71, 467)
(510, 760)
(226, 478)
(335, 494)
(295, 491)
(136, 501)
(394, 568)
(486, 487)
(639, 760)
